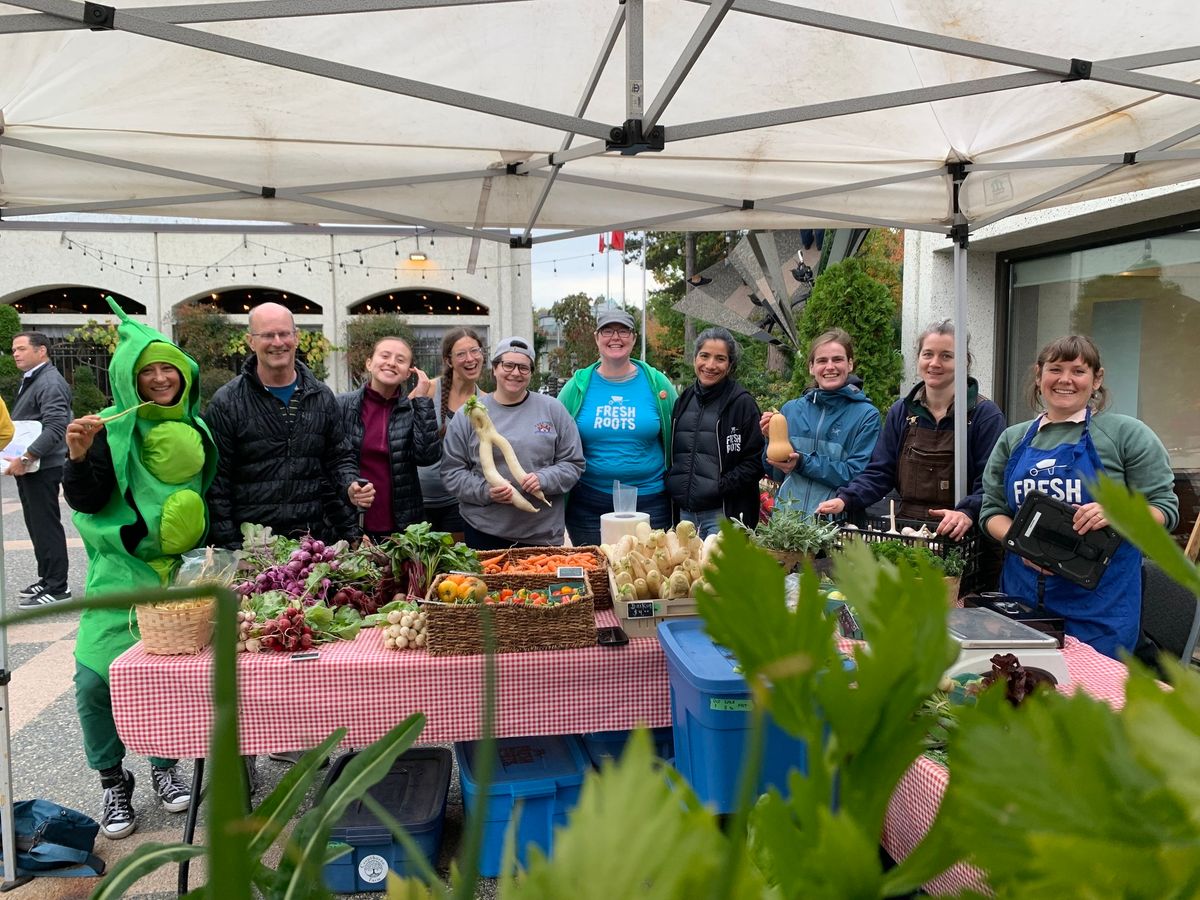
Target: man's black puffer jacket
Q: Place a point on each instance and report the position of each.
(413, 441)
(278, 466)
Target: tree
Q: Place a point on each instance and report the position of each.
(577, 324)
(86, 396)
(206, 335)
(845, 296)
(665, 258)
(10, 375)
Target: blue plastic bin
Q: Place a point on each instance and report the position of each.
(710, 711)
(602, 745)
(545, 773)
(414, 792)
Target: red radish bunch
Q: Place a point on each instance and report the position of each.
(352, 596)
(288, 633)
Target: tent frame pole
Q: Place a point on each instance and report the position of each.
(589, 91)
(960, 234)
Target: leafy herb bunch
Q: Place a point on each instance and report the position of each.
(793, 531)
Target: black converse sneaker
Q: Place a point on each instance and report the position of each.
(118, 819)
(170, 789)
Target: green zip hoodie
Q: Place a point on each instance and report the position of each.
(572, 394)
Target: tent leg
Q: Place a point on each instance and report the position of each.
(7, 829)
(961, 488)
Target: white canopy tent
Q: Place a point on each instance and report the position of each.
(492, 118)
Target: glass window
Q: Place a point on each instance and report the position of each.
(1140, 301)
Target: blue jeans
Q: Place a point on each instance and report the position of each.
(707, 521)
(586, 505)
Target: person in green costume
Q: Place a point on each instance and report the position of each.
(137, 485)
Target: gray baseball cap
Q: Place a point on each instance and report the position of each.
(614, 316)
(513, 345)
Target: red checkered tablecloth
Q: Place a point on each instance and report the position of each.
(915, 802)
(163, 704)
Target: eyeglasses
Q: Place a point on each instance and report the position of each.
(515, 367)
(617, 331)
(464, 355)
(273, 335)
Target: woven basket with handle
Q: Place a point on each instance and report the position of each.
(456, 629)
(597, 573)
(181, 627)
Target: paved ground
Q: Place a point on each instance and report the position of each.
(46, 748)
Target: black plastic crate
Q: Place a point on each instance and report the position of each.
(876, 531)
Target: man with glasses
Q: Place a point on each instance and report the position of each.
(281, 443)
(42, 397)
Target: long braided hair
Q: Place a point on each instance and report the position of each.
(449, 339)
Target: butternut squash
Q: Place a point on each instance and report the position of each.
(779, 448)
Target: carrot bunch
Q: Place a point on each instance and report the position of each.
(540, 564)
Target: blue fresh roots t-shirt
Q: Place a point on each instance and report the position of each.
(622, 434)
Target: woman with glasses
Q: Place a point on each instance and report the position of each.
(462, 365)
(545, 441)
(623, 409)
(391, 429)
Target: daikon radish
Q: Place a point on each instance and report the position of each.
(489, 436)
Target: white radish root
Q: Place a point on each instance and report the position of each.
(488, 435)
(514, 464)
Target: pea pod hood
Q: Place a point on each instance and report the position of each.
(164, 459)
(138, 346)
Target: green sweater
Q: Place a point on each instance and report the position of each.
(1131, 453)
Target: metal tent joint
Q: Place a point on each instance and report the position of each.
(1081, 70)
(521, 243)
(747, 204)
(1130, 158)
(960, 234)
(630, 140)
(268, 193)
(5, 677)
(99, 17)
(514, 168)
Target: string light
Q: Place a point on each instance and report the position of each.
(175, 269)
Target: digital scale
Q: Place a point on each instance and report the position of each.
(982, 633)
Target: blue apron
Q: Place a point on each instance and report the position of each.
(1108, 617)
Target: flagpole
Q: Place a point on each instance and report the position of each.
(607, 277)
(622, 274)
(645, 296)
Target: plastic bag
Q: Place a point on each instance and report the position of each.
(624, 497)
(207, 565)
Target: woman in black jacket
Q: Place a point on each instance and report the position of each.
(392, 431)
(716, 443)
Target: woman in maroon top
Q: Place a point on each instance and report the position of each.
(392, 430)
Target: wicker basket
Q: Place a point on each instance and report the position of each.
(597, 576)
(456, 629)
(170, 630)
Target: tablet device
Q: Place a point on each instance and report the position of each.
(1042, 533)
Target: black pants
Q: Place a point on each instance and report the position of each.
(39, 502)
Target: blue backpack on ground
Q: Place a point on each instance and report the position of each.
(55, 840)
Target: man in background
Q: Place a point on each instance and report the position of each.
(45, 397)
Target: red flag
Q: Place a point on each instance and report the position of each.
(617, 242)
(602, 247)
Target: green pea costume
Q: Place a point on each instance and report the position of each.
(163, 460)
